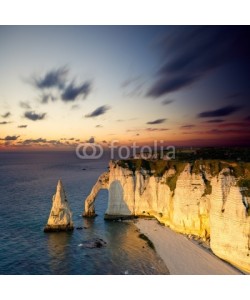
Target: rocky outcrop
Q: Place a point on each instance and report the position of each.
(60, 218)
(102, 183)
(202, 199)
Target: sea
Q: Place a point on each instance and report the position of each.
(27, 183)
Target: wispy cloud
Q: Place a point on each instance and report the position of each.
(157, 129)
(99, 111)
(165, 86)
(133, 86)
(220, 132)
(22, 126)
(188, 126)
(233, 124)
(234, 95)
(190, 53)
(167, 101)
(45, 98)
(158, 121)
(99, 126)
(6, 115)
(75, 106)
(56, 84)
(215, 121)
(91, 140)
(4, 123)
(221, 112)
(31, 115)
(34, 141)
(53, 78)
(25, 105)
(71, 92)
(10, 138)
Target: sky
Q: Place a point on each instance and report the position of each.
(65, 85)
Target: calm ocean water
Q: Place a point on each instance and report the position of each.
(27, 183)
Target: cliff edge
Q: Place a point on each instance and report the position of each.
(206, 198)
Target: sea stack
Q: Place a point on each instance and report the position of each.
(60, 218)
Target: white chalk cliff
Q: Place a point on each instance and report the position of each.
(199, 202)
(60, 218)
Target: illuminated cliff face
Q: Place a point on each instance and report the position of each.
(60, 218)
(199, 199)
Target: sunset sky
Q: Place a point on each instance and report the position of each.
(186, 85)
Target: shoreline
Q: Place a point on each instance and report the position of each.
(181, 255)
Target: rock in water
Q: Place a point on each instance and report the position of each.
(60, 218)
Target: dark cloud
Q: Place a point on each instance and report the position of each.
(157, 129)
(158, 121)
(55, 84)
(104, 142)
(75, 106)
(71, 139)
(163, 86)
(25, 105)
(54, 78)
(133, 86)
(31, 115)
(6, 115)
(99, 126)
(221, 112)
(247, 118)
(233, 124)
(239, 132)
(45, 98)
(91, 140)
(71, 92)
(34, 141)
(55, 142)
(99, 111)
(189, 126)
(10, 138)
(166, 102)
(22, 126)
(233, 96)
(189, 53)
(214, 121)
(4, 123)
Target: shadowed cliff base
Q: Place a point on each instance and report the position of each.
(58, 228)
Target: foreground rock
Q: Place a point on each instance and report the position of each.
(95, 243)
(209, 199)
(60, 218)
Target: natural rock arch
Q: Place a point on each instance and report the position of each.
(89, 206)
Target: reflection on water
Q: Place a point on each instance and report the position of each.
(28, 181)
(58, 250)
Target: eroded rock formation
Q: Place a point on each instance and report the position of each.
(102, 183)
(60, 218)
(203, 199)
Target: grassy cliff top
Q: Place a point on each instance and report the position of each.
(241, 170)
(211, 166)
